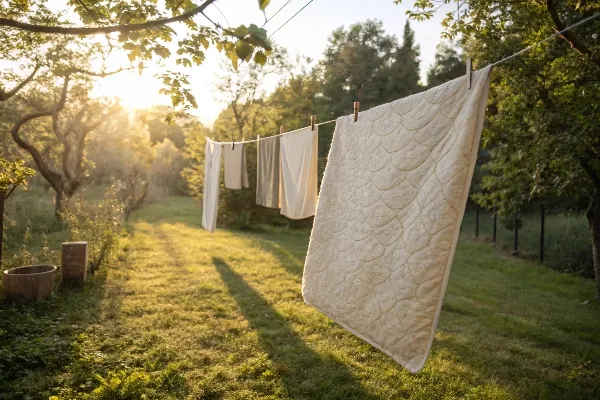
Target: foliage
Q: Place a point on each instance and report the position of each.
(364, 64)
(13, 173)
(151, 42)
(448, 65)
(164, 176)
(100, 225)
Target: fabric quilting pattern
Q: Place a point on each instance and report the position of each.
(389, 213)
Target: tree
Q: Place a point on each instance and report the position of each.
(364, 64)
(404, 77)
(142, 29)
(448, 65)
(240, 88)
(544, 103)
(356, 66)
(57, 144)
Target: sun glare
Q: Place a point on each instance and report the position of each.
(134, 91)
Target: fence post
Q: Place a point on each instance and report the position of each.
(516, 247)
(542, 228)
(495, 224)
(476, 221)
(2, 194)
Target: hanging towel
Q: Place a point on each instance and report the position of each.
(212, 183)
(298, 189)
(234, 166)
(267, 179)
(389, 213)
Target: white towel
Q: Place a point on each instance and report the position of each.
(234, 166)
(267, 172)
(298, 188)
(212, 183)
(389, 214)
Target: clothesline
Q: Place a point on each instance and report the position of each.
(268, 137)
(557, 33)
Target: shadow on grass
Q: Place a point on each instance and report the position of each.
(39, 341)
(306, 374)
(289, 251)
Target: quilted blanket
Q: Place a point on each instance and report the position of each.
(389, 212)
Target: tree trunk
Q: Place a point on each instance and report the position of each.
(593, 215)
(2, 194)
(60, 204)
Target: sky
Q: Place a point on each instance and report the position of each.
(306, 34)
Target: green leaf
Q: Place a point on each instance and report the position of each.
(240, 32)
(243, 49)
(258, 37)
(263, 4)
(260, 58)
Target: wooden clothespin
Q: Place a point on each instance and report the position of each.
(232, 145)
(356, 108)
(281, 130)
(469, 69)
(313, 120)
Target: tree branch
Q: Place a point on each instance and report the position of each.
(52, 176)
(571, 38)
(104, 29)
(7, 95)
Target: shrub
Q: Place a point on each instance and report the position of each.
(98, 224)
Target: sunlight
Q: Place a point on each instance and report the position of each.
(133, 90)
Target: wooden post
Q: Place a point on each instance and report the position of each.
(74, 262)
(476, 221)
(516, 246)
(542, 228)
(495, 225)
(2, 194)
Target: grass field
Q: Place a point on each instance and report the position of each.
(191, 315)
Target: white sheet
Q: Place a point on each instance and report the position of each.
(389, 214)
(212, 183)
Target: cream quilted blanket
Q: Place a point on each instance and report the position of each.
(389, 214)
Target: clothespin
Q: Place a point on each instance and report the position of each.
(313, 119)
(356, 108)
(281, 130)
(469, 69)
(232, 145)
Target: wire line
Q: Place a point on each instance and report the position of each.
(276, 12)
(269, 137)
(286, 22)
(581, 22)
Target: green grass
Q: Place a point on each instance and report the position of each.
(191, 315)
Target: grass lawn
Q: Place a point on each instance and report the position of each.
(191, 315)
